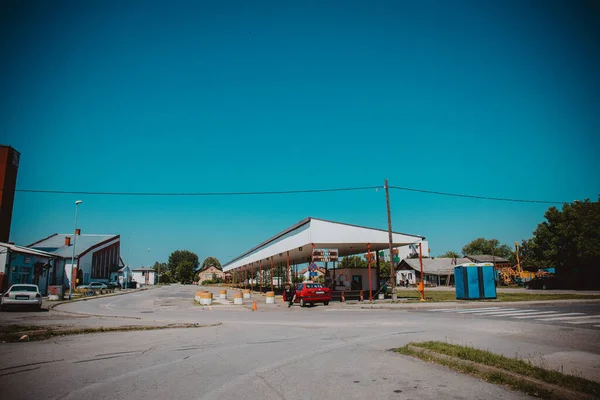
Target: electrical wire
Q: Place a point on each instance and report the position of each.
(475, 197)
(198, 193)
(279, 192)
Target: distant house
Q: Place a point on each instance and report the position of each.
(144, 276)
(498, 262)
(96, 257)
(436, 271)
(305, 273)
(121, 275)
(209, 273)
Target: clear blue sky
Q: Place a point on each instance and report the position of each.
(492, 98)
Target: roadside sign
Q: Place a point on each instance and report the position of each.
(312, 274)
(325, 255)
(312, 267)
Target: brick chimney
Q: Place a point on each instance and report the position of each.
(67, 240)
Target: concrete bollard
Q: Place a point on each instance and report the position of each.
(206, 299)
(246, 293)
(223, 294)
(270, 297)
(197, 295)
(237, 298)
(381, 296)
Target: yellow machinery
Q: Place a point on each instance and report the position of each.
(508, 275)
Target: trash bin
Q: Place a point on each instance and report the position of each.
(475, 281)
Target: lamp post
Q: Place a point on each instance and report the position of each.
(77, 203)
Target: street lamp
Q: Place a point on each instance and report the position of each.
(77, 203)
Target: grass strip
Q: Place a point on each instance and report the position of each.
(441, 295)
(13, 333)
(511, 365)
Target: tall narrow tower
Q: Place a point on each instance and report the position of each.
(9, 164)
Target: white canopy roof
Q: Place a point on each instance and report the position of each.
(298, 241)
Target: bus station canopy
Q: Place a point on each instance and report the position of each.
(298, 241)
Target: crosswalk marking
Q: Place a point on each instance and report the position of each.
(540, 314)
(510, 313)
(589, 321)
(553, 315)
(486, 311)
(553, 318)
(575, 318)
(473, 309)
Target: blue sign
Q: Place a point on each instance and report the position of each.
(312, 267)
(312, 274)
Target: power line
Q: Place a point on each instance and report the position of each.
(475, 197)
(198, 193)
(279, 192)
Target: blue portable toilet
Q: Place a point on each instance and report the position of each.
(475, 281)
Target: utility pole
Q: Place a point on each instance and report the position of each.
(389, 215)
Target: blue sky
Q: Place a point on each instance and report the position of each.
(494, 98)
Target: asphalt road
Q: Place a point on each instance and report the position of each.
(276, 352)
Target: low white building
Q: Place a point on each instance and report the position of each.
(96, 256)
(144, 276)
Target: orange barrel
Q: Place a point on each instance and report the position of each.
(223, 294)
(246, 293)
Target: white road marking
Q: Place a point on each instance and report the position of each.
(507, 313)
(570, 318)
(462, 309)
(489, 312)
(539, 314)
(557, 315)
(480, 310)
(591, 321)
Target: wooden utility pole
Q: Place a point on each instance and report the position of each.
(389, 215)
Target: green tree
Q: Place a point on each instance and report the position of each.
(185, 272)
(490, 247)
(211, 262)
(384, 268)
(450, 254)
(353, 262)
(161, 269)
(569, 240)
(185, 258)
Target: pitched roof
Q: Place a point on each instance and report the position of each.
(433, 265)
(26, 250)
(55, 244)
(481, 258)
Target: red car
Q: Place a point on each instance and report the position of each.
(311, 293)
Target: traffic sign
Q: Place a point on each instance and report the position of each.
(312, 273)
(312, 267)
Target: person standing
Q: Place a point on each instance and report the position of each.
(292, 296)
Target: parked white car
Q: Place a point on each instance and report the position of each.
(22, 295)
(97, 286)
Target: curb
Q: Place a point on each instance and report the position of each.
(52, 332)
(457, 305)
(559, 391)
(58, 303)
